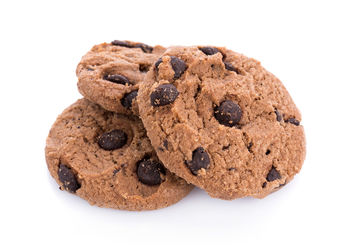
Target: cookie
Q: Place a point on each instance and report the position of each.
(108, 160)
(222, 122)
(110, 73)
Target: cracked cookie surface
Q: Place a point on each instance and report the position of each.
(222, 122)
(110, 73)
(107, 159)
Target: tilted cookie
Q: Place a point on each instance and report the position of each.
(110, 73)
(222, 122)
(108, 160)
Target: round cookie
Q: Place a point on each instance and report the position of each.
(110, 73)
(222, 122)
(108, 160)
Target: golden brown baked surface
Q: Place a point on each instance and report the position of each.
(110, 73)
(222, 122)
(118, 170)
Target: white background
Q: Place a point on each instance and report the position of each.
(305, 43)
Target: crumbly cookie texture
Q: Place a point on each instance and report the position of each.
(110, 73)
(222, 122)
(108, 160)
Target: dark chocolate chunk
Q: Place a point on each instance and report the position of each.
(179, 66)
(148, 172)
(112, 140)
(278, 115)
(144, 68)
(293, 121)
(264, 185)
(126, 101)
(230, 67)
(228, 113)
(116, 78)
(121, 43)
(145, 48)
(164, 95)
(273, 175)
(200, 159)
(158, 63)
(209, 50)
(267, 152)
(67, 177)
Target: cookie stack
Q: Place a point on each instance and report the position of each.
(155, 121)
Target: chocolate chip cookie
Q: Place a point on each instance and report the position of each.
(222, 122)
(108, 160)
(110, 73)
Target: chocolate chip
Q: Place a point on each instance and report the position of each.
(115, 171)
(200, 159)
(116, 78)
(278, 115)
(121, 43)
(144, 68)
(232, 169)
(230, 67)
(148, 172)
(209, 50)
(67, 177)
(145, 48)
(273, 174)
(179, 66)
(158, 63)
(112, 140)
(228, 113)
(293, 121)
(164, 95)
(267, 152)
(264, 185)
(90, 69)
(126, 101)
